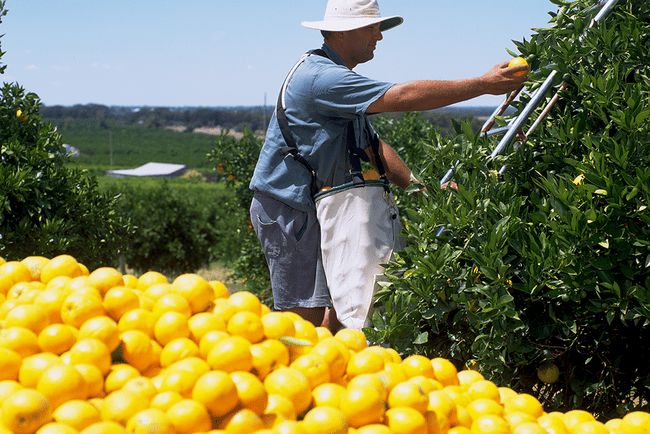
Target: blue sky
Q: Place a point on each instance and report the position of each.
(230, 53)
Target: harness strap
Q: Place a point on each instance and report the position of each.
(354, 152)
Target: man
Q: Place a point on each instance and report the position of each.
(322, 96)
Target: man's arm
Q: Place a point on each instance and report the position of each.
(424, 95)
(397, 171)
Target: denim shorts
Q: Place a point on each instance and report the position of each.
(290, 240)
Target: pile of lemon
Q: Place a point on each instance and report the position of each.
(101, 352)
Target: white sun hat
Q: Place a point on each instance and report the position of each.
(345, 15)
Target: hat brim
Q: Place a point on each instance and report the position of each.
(347, 24)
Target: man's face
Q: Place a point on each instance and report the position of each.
(362, 43)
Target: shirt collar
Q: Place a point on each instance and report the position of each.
(333, 55)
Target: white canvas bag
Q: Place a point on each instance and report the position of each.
(360, 229)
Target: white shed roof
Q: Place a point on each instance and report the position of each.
(151, 169)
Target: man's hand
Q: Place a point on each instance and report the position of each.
(501, 79)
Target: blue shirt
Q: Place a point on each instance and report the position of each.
(322, 97)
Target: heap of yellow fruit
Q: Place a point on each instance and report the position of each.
(101, 352)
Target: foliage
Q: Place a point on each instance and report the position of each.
(549, 262)
(47, 208)
(179, 225)
(236, 160)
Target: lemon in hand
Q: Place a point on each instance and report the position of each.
(516, 62)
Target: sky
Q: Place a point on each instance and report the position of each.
(219, 53)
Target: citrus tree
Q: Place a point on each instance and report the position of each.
(545, 267)
(46, 206)
(235, 159)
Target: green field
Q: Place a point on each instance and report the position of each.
(111, 146)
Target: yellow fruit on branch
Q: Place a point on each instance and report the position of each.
(516, 62)
(548, 373)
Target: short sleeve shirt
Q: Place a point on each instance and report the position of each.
(322, 97)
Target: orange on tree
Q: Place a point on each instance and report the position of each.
(516, 62)
(24, 411)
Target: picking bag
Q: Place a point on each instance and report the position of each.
(360, 229)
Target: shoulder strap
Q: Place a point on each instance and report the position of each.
(283, 122)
